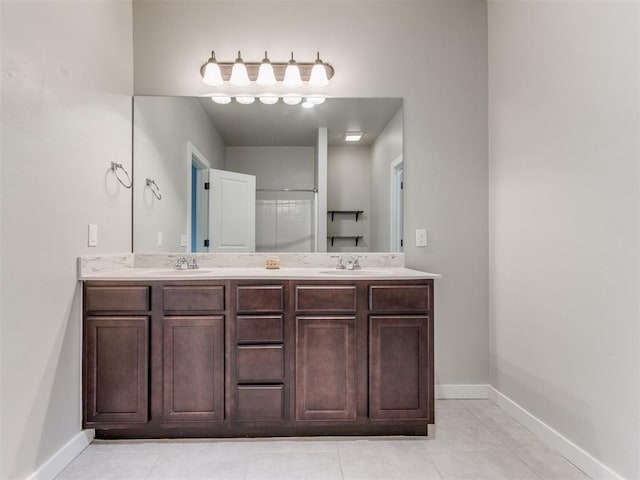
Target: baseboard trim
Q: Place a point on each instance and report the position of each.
(63, 457)
(462, 391)
(572, 452)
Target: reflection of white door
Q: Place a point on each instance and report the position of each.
(232, 211)
(201, 214)
(397, 207)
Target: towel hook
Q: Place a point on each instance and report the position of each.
(115, 168)
(154, 188)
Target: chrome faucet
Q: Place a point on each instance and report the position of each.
(181, 263)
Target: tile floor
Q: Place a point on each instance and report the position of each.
(475, 440)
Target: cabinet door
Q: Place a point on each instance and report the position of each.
(326, 368)
(398, 367)
(193, 369)
(116, 353)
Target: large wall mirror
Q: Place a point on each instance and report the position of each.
(267, 178)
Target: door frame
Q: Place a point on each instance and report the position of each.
(396, 219)
(194, 156)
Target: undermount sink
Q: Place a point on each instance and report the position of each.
(363, 272)
(173, 272)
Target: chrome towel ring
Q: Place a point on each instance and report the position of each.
(115, 168)
(154, 188)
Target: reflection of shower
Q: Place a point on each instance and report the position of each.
(285, 220)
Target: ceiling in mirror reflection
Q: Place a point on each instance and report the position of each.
(280, 124)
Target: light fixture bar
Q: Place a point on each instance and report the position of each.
(278, 70)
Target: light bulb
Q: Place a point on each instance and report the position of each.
(245, 99)
(268, 99)
(266, 76)
(308, 104)
(292, 99)
(212, 74)
(239, 75)
(221, 99)
(292, 74)
(318, 77)
(316, 99)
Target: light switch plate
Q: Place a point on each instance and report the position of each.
(93, 235)
(159, 241)
(421, 237)
(183, 240)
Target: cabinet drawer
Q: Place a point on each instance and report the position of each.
(265, 329)
(113, 299)
(260, 403)
(326, 298)
(399, 298)
(264, 363)
(260, 298)
(193, 298)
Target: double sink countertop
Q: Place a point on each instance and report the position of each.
(314, 267)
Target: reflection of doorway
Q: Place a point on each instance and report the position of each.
(198, 214)
(397, 187)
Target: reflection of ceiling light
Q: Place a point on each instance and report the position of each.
(268, 99)
(316, 100)
(266, 76)
(239, 75)
(245, 99)
(318, 77)
(308, 104)
(221, 99)
(353, 136)
(212, 74)
(291, 99)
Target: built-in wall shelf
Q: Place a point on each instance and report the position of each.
(357, 238)
(357, 213)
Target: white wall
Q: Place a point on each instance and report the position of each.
(564, 181)
(162, 128)
(274, 167)
(437, 58)
(386, 149)
(66, 88)
(348, 182)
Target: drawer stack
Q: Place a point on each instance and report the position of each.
(260, 355)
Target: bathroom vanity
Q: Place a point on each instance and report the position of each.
(250, 352)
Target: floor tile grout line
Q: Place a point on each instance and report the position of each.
(153, 466)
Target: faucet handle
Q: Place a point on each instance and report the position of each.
(194, 264)
(181, 263)
(341, 265)
(356, 262)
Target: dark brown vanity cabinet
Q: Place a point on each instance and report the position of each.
(261, 387)
(115, 354)
(325, 354)
(198, 358)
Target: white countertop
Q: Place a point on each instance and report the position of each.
(256, 273)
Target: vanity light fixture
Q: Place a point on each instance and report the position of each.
(221, 99)
(212, 74)
(245, 99)
(353, 136)
(316, 99)
(292, 76)
(266, 76)
(292, 99)
(267, 73)
(239, 74)
(318, 77)
(308, 104)
(269, 99)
